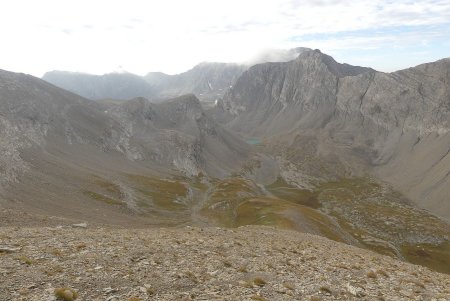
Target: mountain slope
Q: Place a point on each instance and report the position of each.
(66, 155)
(394, 125)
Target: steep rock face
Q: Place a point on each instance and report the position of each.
(276, 97)
(398, 122)
(108, 86)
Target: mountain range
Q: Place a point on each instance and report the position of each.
(208, 81)
(346, 152)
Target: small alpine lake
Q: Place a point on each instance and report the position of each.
(253, 141)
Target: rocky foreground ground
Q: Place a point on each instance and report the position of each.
(248, 263)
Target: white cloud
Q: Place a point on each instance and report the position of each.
(171, 36)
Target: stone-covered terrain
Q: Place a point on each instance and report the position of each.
(189, 263)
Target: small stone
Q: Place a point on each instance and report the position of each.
(8, 249)
(4, 271)
(109, 290)
(214, 273)
(355, 291)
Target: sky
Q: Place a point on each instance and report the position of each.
(171, 36)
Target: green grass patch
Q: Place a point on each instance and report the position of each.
(166, 194)
(102, 198)
(290, 193)
(436, 257)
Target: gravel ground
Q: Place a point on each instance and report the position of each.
(248, 263)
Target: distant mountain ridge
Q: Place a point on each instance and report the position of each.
(108, 86)
(208, 80)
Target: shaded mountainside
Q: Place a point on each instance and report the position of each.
(61, 151)
(395, 126)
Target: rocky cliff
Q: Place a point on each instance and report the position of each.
(398, 123)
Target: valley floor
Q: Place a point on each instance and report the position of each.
(190, 263)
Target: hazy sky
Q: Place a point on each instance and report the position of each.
(100, 36)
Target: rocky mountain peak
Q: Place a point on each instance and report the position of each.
(338, 69)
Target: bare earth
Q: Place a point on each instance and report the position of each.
(247, 263)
